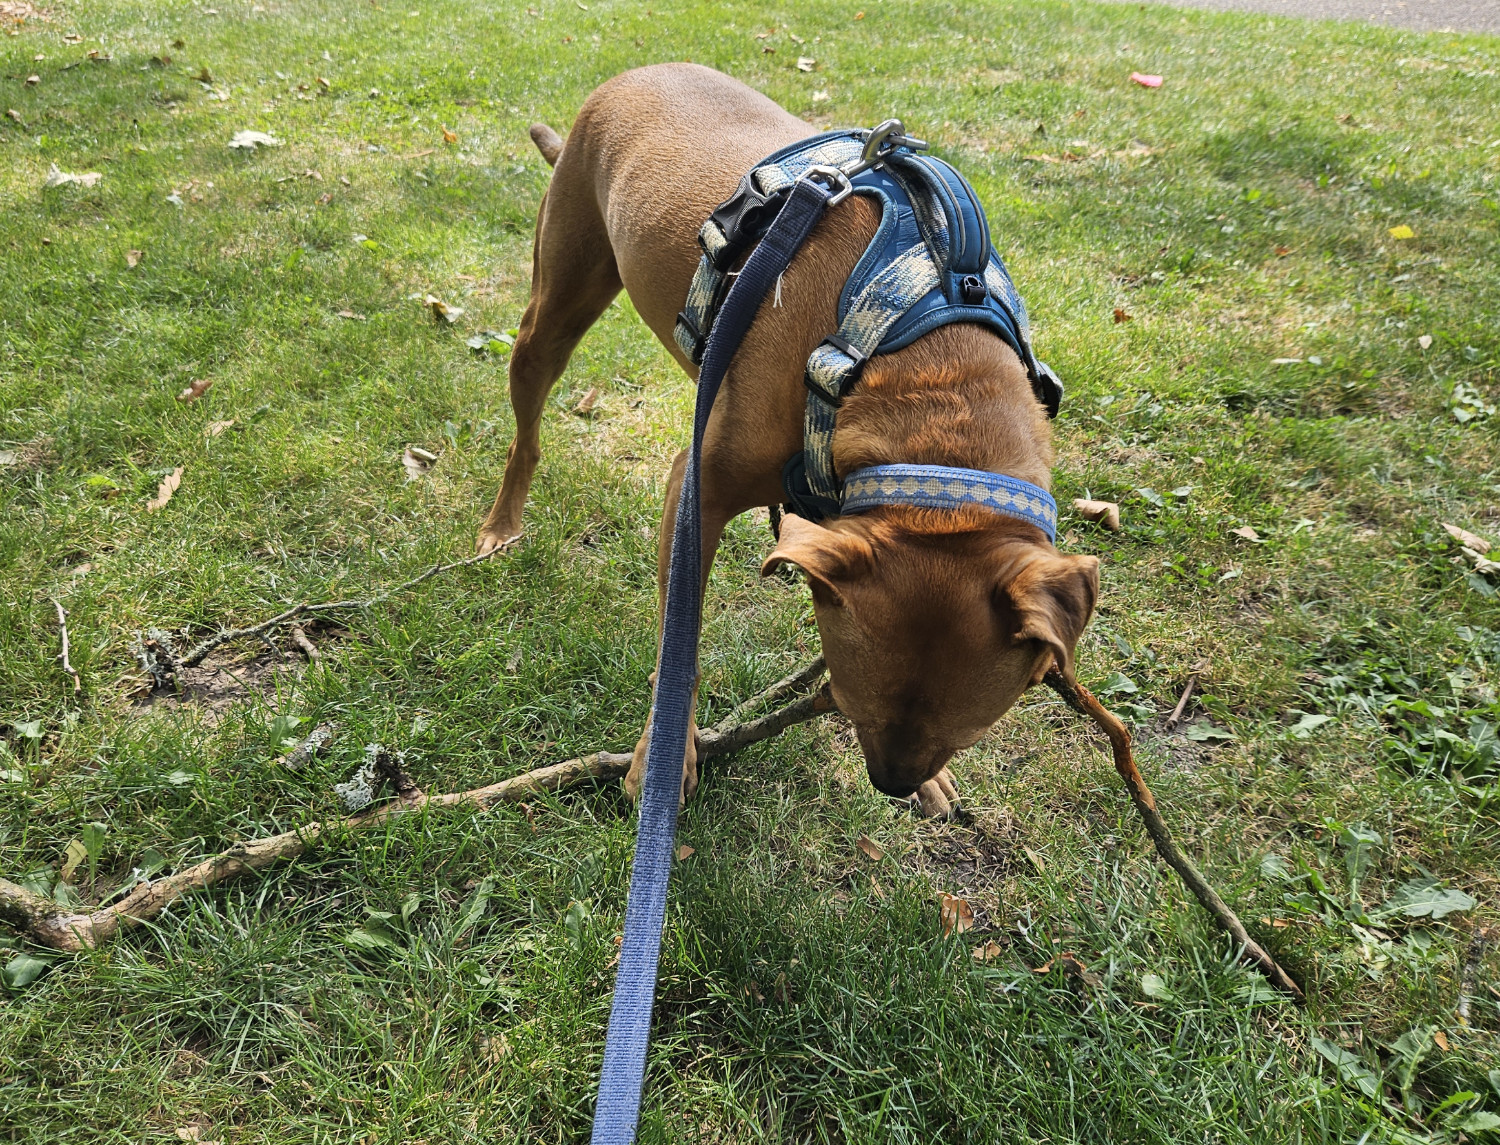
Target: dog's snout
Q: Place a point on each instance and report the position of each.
(887, 785)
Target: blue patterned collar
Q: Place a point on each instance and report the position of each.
(942, 487)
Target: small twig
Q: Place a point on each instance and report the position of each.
(315, 742)
(1182, 702)
(304, 645)
(203, 648)
(40, 919)
(1081, 700)
(1468, 984)
(62, 628)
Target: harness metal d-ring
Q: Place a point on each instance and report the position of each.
(834, 178)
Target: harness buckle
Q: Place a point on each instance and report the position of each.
(855, 355)
(834, 178)
(691, 340)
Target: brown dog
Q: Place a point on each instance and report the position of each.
(933, 622)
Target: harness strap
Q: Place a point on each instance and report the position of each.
(624, 1071)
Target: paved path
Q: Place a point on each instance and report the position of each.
(1421, 15)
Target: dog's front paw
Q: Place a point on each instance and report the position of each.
(635, 778)
(938, 797)
(489, 540)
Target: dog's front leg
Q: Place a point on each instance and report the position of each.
(713, 520)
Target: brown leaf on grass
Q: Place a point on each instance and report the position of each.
(1283, 251)
(351, 315)
(1037, 862)
(14, 114)
(32, 81)
(442, 313)
(990, 951)
(684, 851)
(323, 83)
(869, 848)
(1440, 1039)
(1247, 533)
(806, 63)
(73, 856)
(196, 390)
(587, 403)
(1073, 966)
(1122, 316)
(957, 914)
(1105, 513)
(1467, 539)
(449, 136)
(203, 75)
(214, 428)
(133, 258)
(72, 38)
(164, 491)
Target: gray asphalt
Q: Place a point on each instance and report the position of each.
(1419, 15)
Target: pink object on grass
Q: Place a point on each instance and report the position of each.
(1144, 80)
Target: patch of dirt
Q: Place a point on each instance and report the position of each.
(26, 456)
(15, 12)
(971, 856)
(231, 674)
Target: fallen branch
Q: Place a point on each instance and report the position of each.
(1182, 702)
(62, 628)
(41, 920)
(304, 645)
(1082, 701)
(203, 648)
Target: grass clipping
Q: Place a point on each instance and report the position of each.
(41, 920)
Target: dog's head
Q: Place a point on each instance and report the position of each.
(933, 624)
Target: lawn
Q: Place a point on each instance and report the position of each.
(1287, 398)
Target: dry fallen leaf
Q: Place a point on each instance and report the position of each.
(56, 178)
(587, 403)
(165, 490)
(806, 63)
(442, 313)
(1247, 533)
(957, 914)
(869, 848)
(72, 38)
(14, 114)
(351, 315)
(1122, 316)
(1036, 861)
(449, 136)
(1467, 539)
(1441, 1039)
(684, 851)
(1425, 341)
(133, 258)
(203, 75)
(214, 428)
(251, 140)
(196, 390)
(1071, 965)
(990, 951)
(417, 461)
(1105, 513)
(32, 81)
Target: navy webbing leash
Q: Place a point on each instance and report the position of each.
(623, 1076)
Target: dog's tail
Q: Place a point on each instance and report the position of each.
(548, 142)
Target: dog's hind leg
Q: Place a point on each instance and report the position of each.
(573, 279)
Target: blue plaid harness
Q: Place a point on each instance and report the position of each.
(930, 263)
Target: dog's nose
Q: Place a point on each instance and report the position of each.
(897, 789)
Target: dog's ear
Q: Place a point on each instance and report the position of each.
(1053, 598)
(828, 558)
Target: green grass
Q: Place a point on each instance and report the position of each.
(1240, 214)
